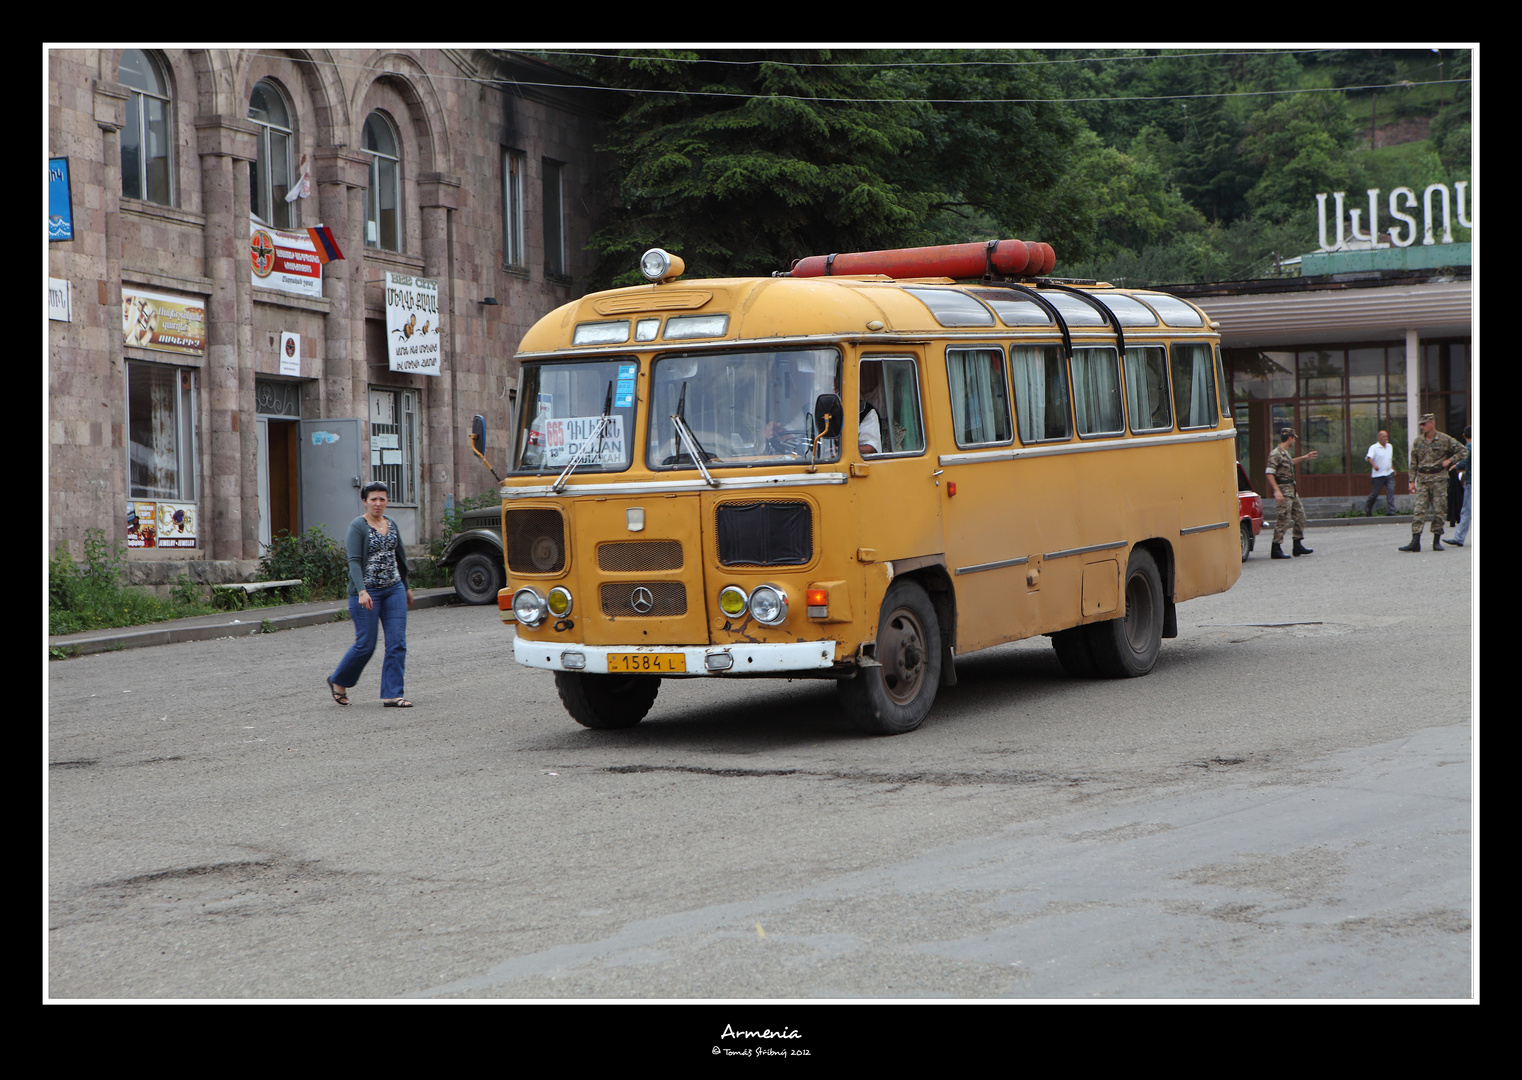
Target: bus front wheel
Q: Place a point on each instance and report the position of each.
(1127, 647)
(895, 697)
(606, 701)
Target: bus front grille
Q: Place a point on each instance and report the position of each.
(639, 556)
(535, 541)
(648, 600)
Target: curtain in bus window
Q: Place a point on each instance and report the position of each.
(1194, 385)
(905, 434)
(1147, 389)
(1041, 392)
(979, 401)
(1096, 392)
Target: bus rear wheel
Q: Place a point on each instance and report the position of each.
(606, 702)
(896, 696)
(1127, 647)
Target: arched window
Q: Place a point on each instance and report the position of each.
(270, 180)
(148, 134)
(383, 219)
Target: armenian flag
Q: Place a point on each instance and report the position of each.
(327, 247)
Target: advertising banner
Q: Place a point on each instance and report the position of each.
(412, 324)
(175, 324)
(284, 261)
(161, 525)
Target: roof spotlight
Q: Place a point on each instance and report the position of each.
(658, 265)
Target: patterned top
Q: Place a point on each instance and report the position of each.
(380, 559)
(375, 561)
(1427, 457)
(1282, 464)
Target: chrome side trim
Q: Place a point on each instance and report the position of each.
(993, 565)
(1085, 550)
(661, 487)
(1137, 443)
(1203, 528)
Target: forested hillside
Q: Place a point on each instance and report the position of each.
(1142, 166)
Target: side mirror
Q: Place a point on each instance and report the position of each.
(829, 416)
(478, 432)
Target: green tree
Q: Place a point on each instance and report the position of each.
(743, 161)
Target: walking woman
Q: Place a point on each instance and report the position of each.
(378, 598)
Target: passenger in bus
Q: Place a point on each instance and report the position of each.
(869, 437)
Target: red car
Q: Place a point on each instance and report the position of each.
(1250, 507)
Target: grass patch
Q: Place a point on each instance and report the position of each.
(89, 595)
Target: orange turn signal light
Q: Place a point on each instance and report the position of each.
(818, 597)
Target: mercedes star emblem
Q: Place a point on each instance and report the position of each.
(642, 600)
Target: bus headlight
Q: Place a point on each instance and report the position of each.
(732, 601)
(528, 608)
(559, 602)
(768, 605)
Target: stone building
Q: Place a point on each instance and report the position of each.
(211, 381)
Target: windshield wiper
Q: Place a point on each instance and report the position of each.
(587, 444)
(696, 452)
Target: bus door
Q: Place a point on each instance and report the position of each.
(987, 511)
(896, 488)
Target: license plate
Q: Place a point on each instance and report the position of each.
(652, 662)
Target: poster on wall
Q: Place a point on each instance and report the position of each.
(412, 324)
(284, 261)
(142, 525)
(161, 525)
(164, 323)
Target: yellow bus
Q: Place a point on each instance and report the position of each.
(860, 470)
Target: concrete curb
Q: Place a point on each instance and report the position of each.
(229, 624)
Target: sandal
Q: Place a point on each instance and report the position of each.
(340, 695)
(397, 703)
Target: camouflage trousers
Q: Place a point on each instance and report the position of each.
(1291, 513)
(1431, 504)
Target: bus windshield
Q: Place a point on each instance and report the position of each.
(575, 410)
(741, 409)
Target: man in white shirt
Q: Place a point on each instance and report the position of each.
(1381, 457)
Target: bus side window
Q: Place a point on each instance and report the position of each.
(979, 396)
(1194, 386)
(889, 408)
(1096, 392)
(1041, 393)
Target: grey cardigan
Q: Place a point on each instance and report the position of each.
(355, 542)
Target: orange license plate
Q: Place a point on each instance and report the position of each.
(620, 663)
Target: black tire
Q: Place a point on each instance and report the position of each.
(1246, 539)
(477, 577)
(895, 697)
(1127, 647)
(606, 701)
(1073, 652)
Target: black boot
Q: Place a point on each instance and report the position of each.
(1277, 552)
(1414, 545)
(1299, 548)
(1437, 541)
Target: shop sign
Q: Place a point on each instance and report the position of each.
(284, 261)
(161, 525)
(1401, 199)
(290, 353)
(60, 200)
(412, 324)
(164, 323)
(59, 308)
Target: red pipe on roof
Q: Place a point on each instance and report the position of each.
(1013, 257)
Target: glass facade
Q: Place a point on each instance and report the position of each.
(1339, 397)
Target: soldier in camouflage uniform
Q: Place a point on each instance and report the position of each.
(1432, 455)
(1281, 481)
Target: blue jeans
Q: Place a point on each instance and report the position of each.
(1462, 536)
(1388, 483)
(388, 609)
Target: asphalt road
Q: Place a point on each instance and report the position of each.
(1281, 810)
